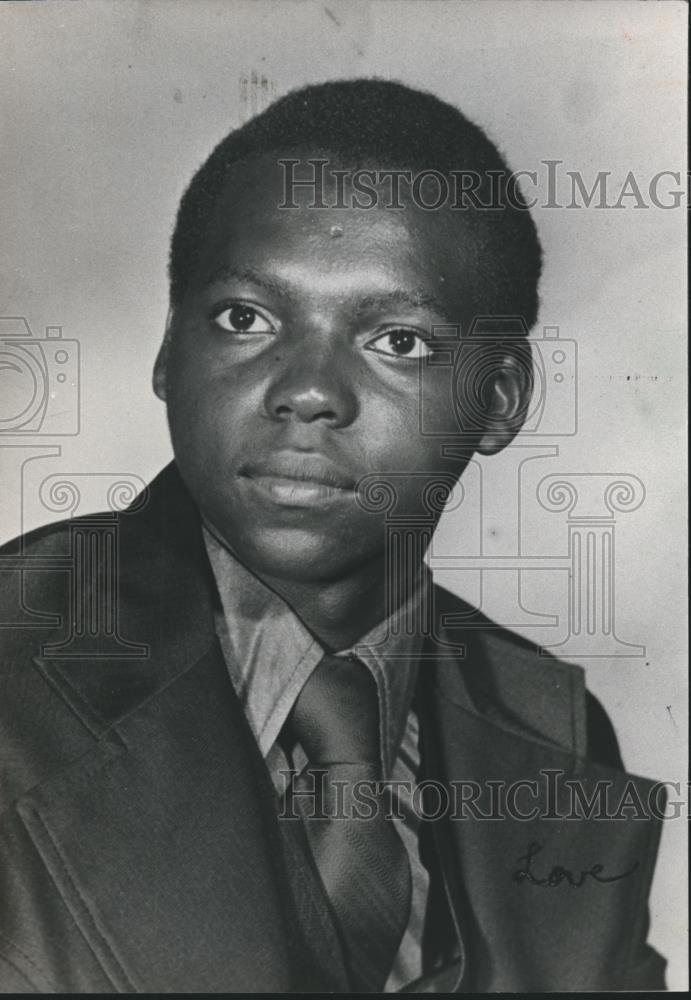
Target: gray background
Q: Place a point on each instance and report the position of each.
(107, 108)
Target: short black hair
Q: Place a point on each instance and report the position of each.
(391, 125)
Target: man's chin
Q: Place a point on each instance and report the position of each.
(295, 555)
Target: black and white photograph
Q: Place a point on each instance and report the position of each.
(343, 491)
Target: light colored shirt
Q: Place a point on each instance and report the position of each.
(270, 655)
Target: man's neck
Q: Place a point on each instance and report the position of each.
(337, 612)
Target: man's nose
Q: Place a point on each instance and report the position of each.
(313, 385)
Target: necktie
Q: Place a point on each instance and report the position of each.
(360, 858)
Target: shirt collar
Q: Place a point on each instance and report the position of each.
(270, 653)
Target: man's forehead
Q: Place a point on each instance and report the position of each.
(319, 179)
(254, 202)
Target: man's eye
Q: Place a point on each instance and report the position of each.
(241, 318)
(400, 344)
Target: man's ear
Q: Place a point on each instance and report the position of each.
(506, 394)
(161, 364)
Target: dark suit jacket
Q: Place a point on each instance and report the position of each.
(139, 845)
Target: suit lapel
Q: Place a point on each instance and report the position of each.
(521, 935)
(164, 597)
(162, 845)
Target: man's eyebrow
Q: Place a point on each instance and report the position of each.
(399, 296)
(274, 285)
(373, 301)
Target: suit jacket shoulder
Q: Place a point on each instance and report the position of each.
(513, 680)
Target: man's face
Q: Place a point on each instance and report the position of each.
(293, 368)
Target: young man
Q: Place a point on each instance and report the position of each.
(215, 816)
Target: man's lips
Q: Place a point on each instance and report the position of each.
(297, 479)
